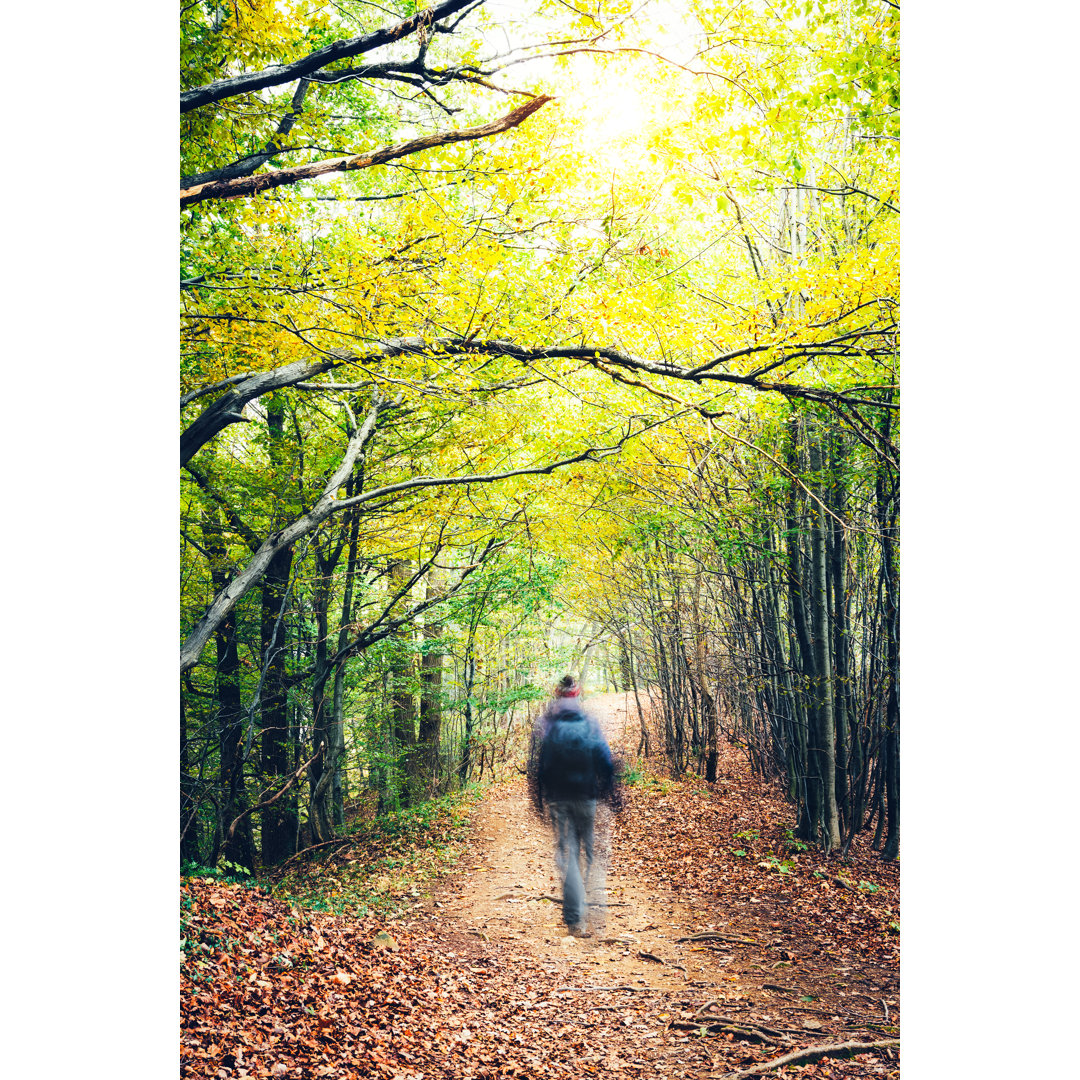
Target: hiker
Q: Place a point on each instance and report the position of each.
(570, 769)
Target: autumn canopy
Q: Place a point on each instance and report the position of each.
(528, 337)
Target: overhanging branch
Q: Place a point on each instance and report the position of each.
(228, 409)
(251, 185)
(228, 597)
(839, 346)
(277, 74)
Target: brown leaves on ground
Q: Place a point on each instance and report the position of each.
(764, 951)
(727, 852)
(271, 992)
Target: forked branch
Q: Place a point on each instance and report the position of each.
(278, 74)
(277, 795)
(251, 185)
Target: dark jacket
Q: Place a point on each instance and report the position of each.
(569, 757)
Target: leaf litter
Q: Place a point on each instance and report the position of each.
(725, 947)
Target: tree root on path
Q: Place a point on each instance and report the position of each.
(713, 936)
(720, 1018)
(813, 1053)
(725, 1025)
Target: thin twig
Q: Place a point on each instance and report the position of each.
(712, 935)
(270, 802)
(325, 843)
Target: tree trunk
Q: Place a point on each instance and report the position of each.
(278, 822)
(431, 673)
(402, 694)
(847, 757)
(826, 726)
(327, 780)
(643, 739)
(708, 705)
(465, 767)
(189, 836)
(888, 497)
(240, 848)
(809, 781)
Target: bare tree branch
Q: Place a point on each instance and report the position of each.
(384, 626)
(250, 537)
(247, 165)
(594, 453)
(277, 74)
(274, 798)
(844, 344)
(251, 185)
(326, 505)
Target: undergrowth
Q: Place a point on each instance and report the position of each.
(382, 861)
(378, 865)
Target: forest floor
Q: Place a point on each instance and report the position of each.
(725, 948)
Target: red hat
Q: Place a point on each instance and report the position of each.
(568, 687)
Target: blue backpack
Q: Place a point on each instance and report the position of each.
(575, 762)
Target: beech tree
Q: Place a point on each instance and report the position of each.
(451, 290)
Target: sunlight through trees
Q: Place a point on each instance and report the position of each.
(520, 343)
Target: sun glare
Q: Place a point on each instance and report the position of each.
(612, 114)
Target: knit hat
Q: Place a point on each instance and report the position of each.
(568, 687)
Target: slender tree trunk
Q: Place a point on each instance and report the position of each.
(465, 767)
(708, 704)
(431, 674)
(586, 655)
(826, 726)
(402, 696)
(888, 495)
(323, 728)
(334, 814)
(189, 836)
(643, 739)
(230, 712)
(278, 822)
(846, 755)
(809, 777)
(338, 785)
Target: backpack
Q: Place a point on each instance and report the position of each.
(572, 758)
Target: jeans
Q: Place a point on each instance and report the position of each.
(574, 823)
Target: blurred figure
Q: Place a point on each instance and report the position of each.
(570, 769)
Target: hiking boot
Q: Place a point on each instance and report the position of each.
(579, 931)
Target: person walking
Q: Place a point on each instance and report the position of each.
(570, 770)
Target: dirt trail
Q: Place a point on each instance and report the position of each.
(479, 980)
(508, 891)
(762, 958)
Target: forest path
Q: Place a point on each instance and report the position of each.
(802, 963)
(508, 889)
(711, 961)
